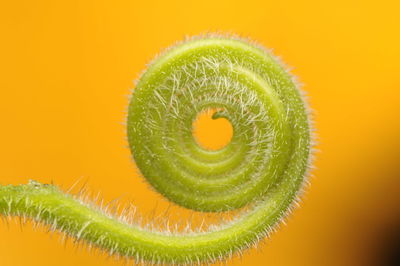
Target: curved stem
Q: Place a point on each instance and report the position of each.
(265, 162)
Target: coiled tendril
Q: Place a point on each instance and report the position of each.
(263, 165)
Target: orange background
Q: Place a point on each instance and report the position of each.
(67, 68)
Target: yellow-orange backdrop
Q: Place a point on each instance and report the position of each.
(66, 68)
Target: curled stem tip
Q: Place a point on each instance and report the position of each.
(263, 166)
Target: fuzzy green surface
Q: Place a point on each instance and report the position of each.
(264, 164)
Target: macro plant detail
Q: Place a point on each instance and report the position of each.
(262, 169)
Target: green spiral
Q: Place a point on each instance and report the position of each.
(263, 166)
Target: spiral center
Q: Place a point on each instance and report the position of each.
(212, 134)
